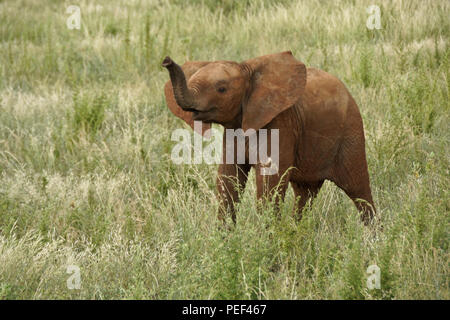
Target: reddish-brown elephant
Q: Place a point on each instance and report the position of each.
(320, 128)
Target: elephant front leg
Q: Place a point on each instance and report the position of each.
(231, 181)
(271, 187)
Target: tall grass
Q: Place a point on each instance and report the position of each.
(87, 180)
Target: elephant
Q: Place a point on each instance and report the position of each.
(321, 135)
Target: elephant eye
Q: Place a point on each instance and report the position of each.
(221, 89)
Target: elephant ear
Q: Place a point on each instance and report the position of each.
(189, 68)
(277, 82)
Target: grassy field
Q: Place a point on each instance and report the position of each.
(86, 177)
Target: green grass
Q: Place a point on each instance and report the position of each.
(86, 177)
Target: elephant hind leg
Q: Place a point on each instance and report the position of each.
(359, 192)
(352, 176)
(303, 192)
(365, 205)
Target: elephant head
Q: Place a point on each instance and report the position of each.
(245, 95)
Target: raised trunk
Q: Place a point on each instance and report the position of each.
(180, 90)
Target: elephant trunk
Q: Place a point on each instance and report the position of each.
(181, 92)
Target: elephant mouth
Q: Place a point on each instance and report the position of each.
(204, 116)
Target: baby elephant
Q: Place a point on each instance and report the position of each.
(320, 130)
